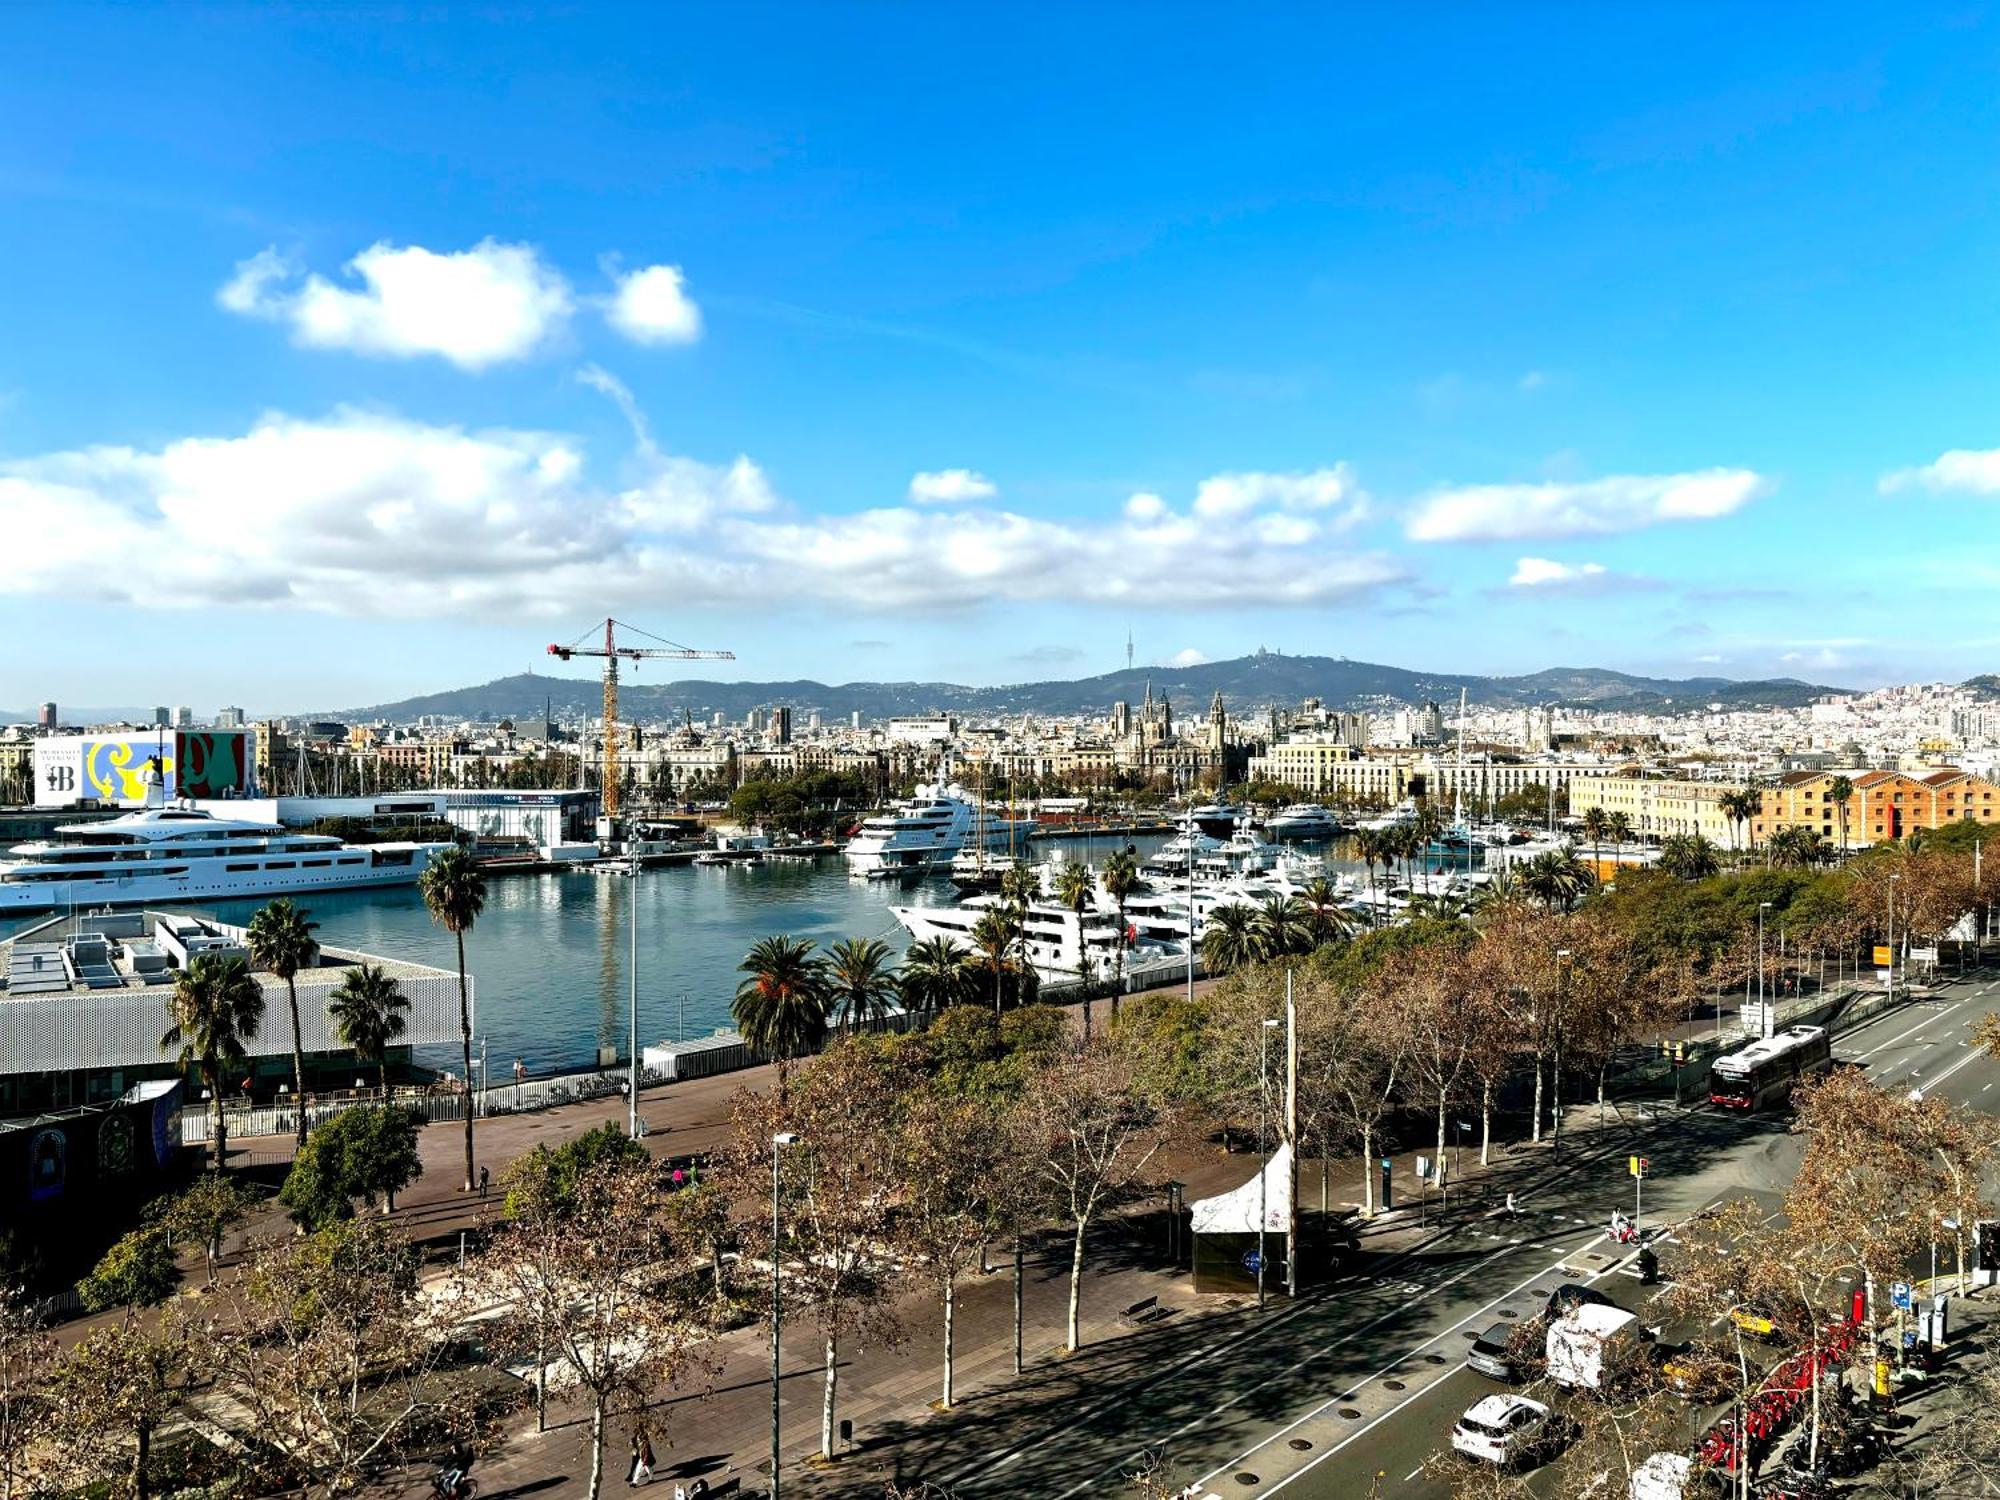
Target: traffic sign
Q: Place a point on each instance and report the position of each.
(1884, 955)
(1899, 1294)
(1251, 1260)
(1636, 1165)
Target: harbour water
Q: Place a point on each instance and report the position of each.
(550, 954)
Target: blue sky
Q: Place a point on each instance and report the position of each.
(344, 355)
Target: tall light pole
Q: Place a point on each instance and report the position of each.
(1263, 1147)
(1892, 936)
(779, 1141)
(1763, 1001)
(632, 1080)
(1555, 1073)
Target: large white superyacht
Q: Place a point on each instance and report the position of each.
(923, 834)
(162, 854)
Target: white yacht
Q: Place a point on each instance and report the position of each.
(1172, 859)
(1302, 820)
(1217, 819)
(926, 833)
(163, 854)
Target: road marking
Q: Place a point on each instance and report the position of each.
(1327, 1453)
(1348, 1337)
(1927, 1020)
(1253, 1330)
(1970, 1057)
(1413, 1473)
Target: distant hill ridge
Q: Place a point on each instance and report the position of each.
(1246, 682)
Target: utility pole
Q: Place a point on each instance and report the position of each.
(1292, 1137)
(632, 1063)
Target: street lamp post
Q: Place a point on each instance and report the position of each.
(632, 1080)
(1263, 1148)
(1555, 1073)
(778, 1142)
(1763, 999)
(1892, 936)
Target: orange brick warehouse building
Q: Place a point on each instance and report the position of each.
(1885, 804)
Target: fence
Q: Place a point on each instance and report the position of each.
(242, 1121)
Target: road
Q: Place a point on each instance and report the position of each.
(1326, 1395)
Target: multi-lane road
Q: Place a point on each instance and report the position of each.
(1353, 1392)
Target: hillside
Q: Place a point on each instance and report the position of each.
(1245, 683)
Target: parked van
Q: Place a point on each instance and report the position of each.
(1589, 1343)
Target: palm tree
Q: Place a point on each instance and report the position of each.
(216, 1006)
(1329, 919)
(1840, 791)
(281, 940)
(1228, 941)
(1595, 823)
(781, 1006)
(1078, 891)
(859, 985)
(1796, 848)
(1689, 856)
(932, 976)
(1498, 896)
(1739, 805)
(1556, 878)
(993, 938)
(455, 892)
(367, 1009)
(1619, 826)
(1120, 878)
(1372, 848)
(1282, 927)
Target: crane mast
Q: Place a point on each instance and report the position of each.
(612, 652)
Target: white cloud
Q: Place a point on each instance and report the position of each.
(1187, 657)
(1541, 572)
(1599, 507)
(651, 306)
(363, 514)
(951, 487)
(1145, 508)
(1320, 490)
(476, 308)
(1962, 471)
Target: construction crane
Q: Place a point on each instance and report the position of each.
(611, 651)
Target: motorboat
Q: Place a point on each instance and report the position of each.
(172, 853)
(1305, 821)
(1218, 819)
(926, 833)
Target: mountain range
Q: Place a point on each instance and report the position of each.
(1245, 683)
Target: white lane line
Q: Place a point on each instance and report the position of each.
(1254, 1330)
(1965, 1061)
(1325, 1454)
(1413, 1473)
(1397, 1311)
(1927, 1020)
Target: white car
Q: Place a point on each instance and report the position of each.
(1504, 1430)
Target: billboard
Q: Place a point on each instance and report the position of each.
(112, 768)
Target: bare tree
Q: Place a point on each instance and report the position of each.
(27, 1358)
(340, 1360)
(609, 1291)
(952, 1167)
(835, 1189)
(119, 1386)
(1083, 1131)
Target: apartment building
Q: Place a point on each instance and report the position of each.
(1657, 808)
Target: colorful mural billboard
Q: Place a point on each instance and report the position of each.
(112, 768)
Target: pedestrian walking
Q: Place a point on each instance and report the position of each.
(642, 1458)
(485, 1180)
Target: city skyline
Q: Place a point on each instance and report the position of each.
(1637, 352)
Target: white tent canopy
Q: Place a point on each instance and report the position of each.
(1235, 1212)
